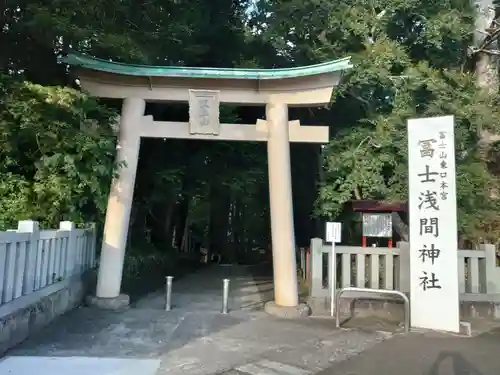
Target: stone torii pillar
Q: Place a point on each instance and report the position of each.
(120, 198)
(280, 198)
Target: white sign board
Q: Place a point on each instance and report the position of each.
(433, 224)
(333, 232)
(377, 225)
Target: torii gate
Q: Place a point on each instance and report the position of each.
(204, 89)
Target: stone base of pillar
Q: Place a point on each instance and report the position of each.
(294, 312)
(120, 302)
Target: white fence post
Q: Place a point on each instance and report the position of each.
(491, 280)
(404, 267)
(93, 244)
(317, 268)
(32, 227)
(72, 250)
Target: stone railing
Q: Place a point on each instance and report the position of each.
(42, 275)
(389, 268)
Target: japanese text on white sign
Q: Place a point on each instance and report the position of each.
(433, 224)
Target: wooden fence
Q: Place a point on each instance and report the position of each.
(31, 259)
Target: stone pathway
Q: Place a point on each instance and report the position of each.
(250, 287)
(194, 338)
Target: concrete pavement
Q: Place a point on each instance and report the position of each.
(426, 354)
(193, 338)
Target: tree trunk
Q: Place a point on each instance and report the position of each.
(400, 227)
(486, 68)
(305, 177)
(181, 216)
(238, 228)
(182, 210)
(131, 224)
(486, 65)
(185, 235)
(168, 221)
(219, 220)
(233, 224)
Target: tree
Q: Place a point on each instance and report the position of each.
(49, 159)
(57, 152)
(410, 60)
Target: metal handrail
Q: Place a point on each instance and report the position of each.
(379, 291)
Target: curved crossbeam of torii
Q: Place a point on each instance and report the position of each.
(204, 89)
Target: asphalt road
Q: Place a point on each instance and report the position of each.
(426, 354)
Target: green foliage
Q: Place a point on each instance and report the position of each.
(57, 149)
(410, 61)
(57, 145)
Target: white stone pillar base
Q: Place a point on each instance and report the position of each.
(290, 312)
(116, 303)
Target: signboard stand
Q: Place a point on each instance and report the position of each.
(377, 225)
(433, 224)
(333, 235)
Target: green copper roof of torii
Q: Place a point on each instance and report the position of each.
(92, 63)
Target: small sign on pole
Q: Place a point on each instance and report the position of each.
(333, 232)
(333, 235)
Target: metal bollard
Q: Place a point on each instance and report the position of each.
(403, 296)
(168, 293)
(225, 296)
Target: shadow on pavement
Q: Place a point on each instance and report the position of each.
(460, 365)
